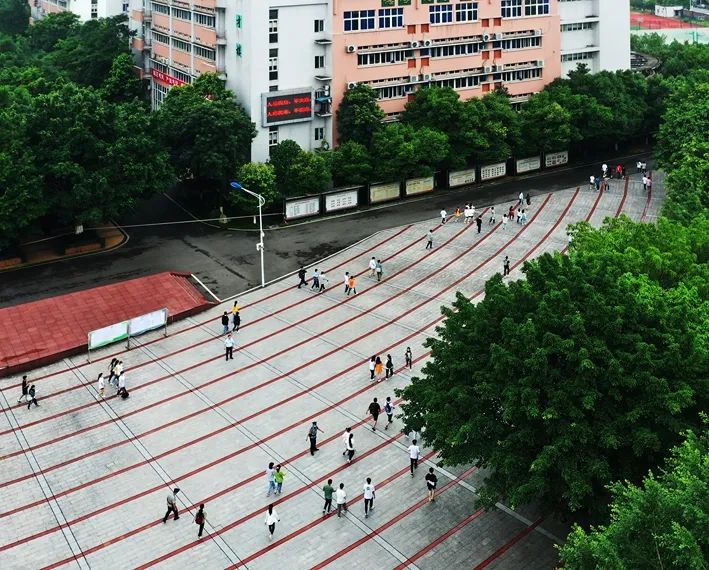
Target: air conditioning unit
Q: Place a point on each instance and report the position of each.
(498, 35)
(537, 32)
(413, 78)
(351, 49)
(540, 63)
(499, 67)
(352, 85)
(427, 77)
(486, 37)
(415, 44)
(487, 69)
(427, 43)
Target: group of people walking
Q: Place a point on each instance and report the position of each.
(377, 368)
(29, 393)
(229, 341)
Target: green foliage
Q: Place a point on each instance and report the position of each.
(14, 16)
(545, 125)
(207, 132)
(351, 165)
(259, 178)
(283, 157)
(676, 58)
(359, 116)
(403, 151)
(122, 84)
(664, 523)
(44, 34)
(584, 373)
(299, 172)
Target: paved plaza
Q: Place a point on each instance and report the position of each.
(84, 480)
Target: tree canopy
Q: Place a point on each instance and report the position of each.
(359, 116)
(14, 16)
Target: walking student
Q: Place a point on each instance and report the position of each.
(225, 323)
(528, 199)
(301, 276)
(112, 369)
(372, 267)
(378, 369)
(372, 366)
(236, 321)
(351, 285)
(429, 239)
(444, 216)
(172, 505)
(374, 409)
(328, 490)
(229, 347)
(313, 437)
(270, 479)
(506, 266)
(345, 439)
(521, 198)
(379, 269)
(457, 215)
(122, 386)
(389, 367)
(323, 282)
(389, 411)
(271, 520)
(368, 492)
(25, 390)
(200, 518)
(492, 219)
(32, 397)
(316, 280)
(101, 384)
(350, 447)
(409, 357)
(479, 222)
(278, 477)
(347, 281)
(341, 499)
(431, 482)
(414, 456)
(504, 222)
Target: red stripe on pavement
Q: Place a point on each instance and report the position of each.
(505, 547)
(191, 327)
(253, 342)
(625, 195)
(426, 549)
(369, 536)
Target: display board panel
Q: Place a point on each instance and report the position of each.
(147, 322)
(341, 200)
(491, 171)
(302, 207)
(384, 192)
(107, 335)
(286, 107)
(556, 158)
(418, 185)
(528, 164)
(461, 177)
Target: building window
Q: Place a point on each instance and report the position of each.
(272, 136)
(466, 12)
(384, 58)
(319, 133)
(182, 14)
(160, 8)
(318, 26)
(204, 20)
(125, 7)
(519, 43)
(319, 61)
(273, 26)
(585, 55)
(181, 45)
(273, 64)
(160, 38)
(159, 94)
(391, 18)
(440, 14)
(359, 20)
(511, 8)
(536, 7)
(578, 26)
(205, 53)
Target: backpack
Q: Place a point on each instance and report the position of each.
(124, 393)
(388, 408)
(313, 432)
(199, 517)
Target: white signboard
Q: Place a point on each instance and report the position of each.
(107, 335)
(493, 171)
(302, 208)
(384, 192)
(461, 177)
(419, 185)
(528, 164)
(148, 322)
(341, 200)
(556, 158)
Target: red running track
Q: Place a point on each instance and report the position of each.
(505, 547)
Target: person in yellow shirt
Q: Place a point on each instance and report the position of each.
(236, 317)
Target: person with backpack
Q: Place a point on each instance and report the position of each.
(172, 505)
(431, 482)
(278, 477)
(368, 493)
(301, 276)
(200, 519)
(389, 366)
(271, 520)
(313, 437)
(375, 410)
(31, 397)
(25, 390)
(389, 411)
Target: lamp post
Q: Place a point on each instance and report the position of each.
(259, 245)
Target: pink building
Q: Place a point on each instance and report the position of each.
(397, 46)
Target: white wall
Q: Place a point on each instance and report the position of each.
(614, 34)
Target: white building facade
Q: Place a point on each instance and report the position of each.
(595, 33)
(85, 9)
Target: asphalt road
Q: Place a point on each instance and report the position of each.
(227, 261)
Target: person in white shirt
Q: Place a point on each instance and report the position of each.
(345, 439)
(368, 497)
(592, 182)
(492, 216)
(122, 382)
(604, 168)
(341, 499)
(444, 215)
(323, 282)
(347, 281)
(521, 197)
(101, 384)
(229, 347)
(271, 520)
(372, 266)
(414, 455)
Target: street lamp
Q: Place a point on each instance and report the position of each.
(259, 245)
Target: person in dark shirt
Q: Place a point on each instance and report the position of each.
(431, 482)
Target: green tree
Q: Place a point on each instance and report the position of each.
(283, 156)
(310, 174)
(590, 378)
(500, 127)
(664, 523)
(405, 152)
(259, 178)
(359, 116)
(14, 16)
(545, 125)
(207, 132)
(122, 84)
(351, 164)
(45, 33)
